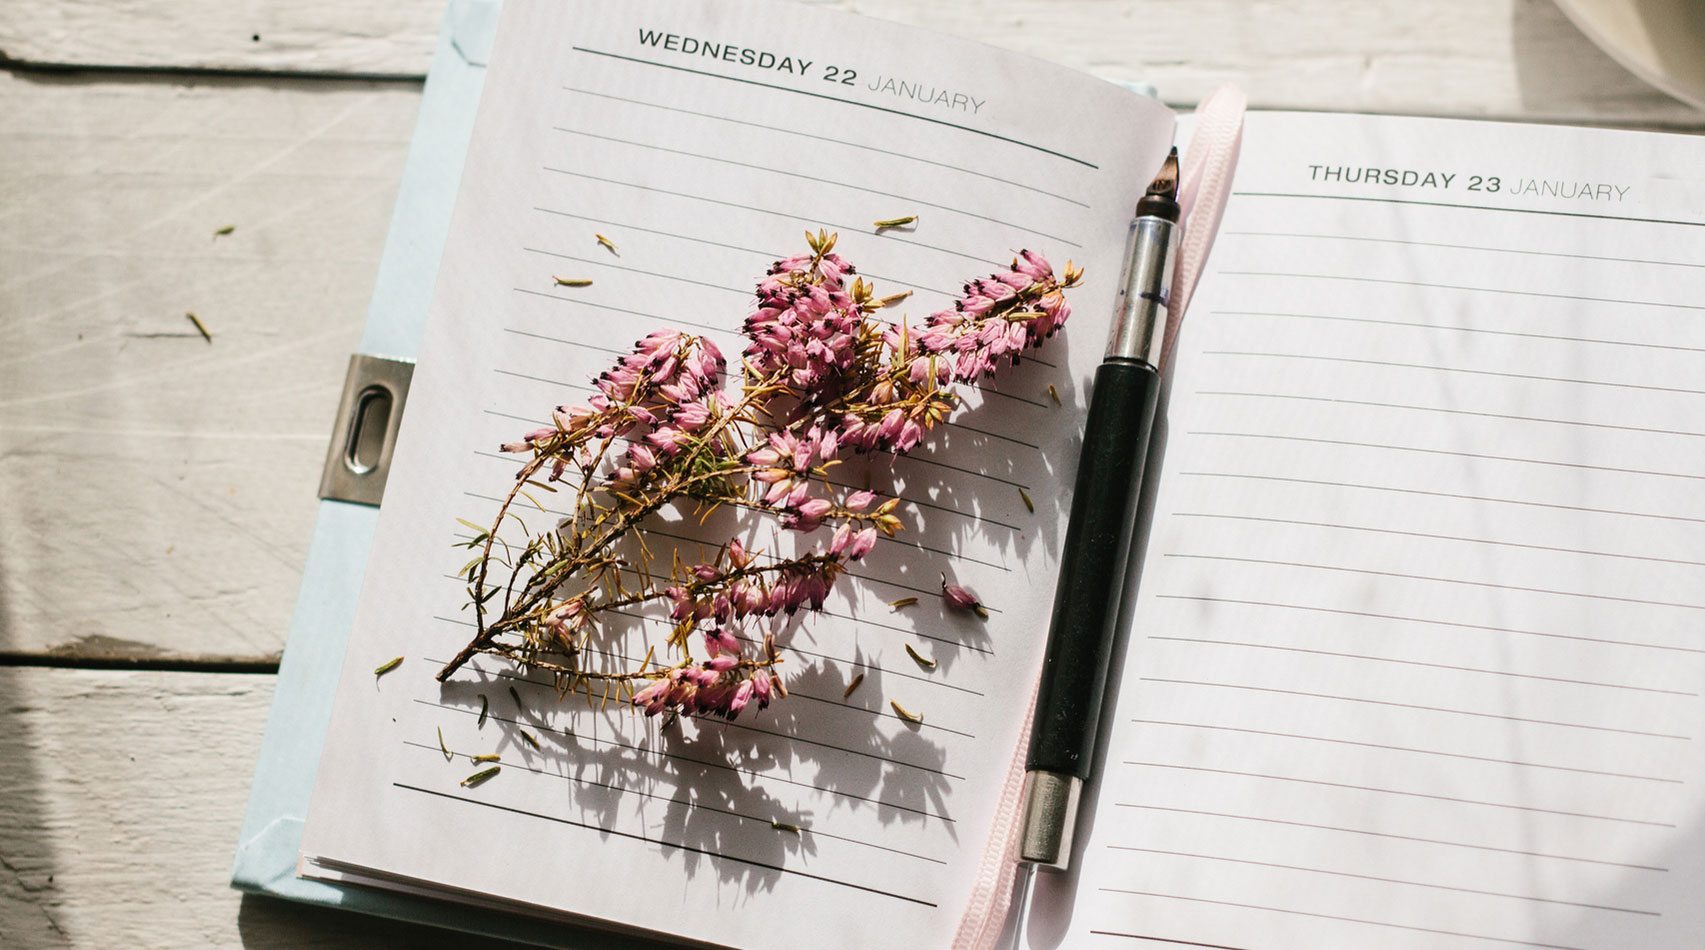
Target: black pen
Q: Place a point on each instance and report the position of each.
(1104, 503)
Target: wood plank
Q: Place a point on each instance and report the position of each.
(157, 491)
(378, 37)
(124, 792)
(1512, 58)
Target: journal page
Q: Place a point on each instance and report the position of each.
(1420, 640)
(639, 166)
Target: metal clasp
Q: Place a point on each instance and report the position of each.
(358, 460)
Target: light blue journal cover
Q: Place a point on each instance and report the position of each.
(268, 847)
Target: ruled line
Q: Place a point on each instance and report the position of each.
(910, 199)
(1442, 494)
(1439, 666)
(609, 265)
(1415, 706)
(1437, 537)
(1457, 329)
(755, 252)
(1400, 792)
(1351, 443)
(1432, 621)
(1382, 880)
(638, 662)
(728, 332)
(848, 102)
(764, 776)
(1455, 412)
(850, 228)
(1459, 247)
(1468, 207)
(1435, 367)
(1152, 939)
(666, 843)
(1441, 580)
(1410, 749)
(692, 805)
(830, 139)
(1353, 920)
(1484, 290)
(1387, 834)
(981, 519)
(870, 667)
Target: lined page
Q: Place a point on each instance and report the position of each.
(1420, 643)
(703, 140)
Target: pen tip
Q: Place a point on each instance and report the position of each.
(1165, 184)
(1161, 199)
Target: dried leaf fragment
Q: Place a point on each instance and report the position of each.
(606, 242)
(481, 777)
(893, 299)
(221, 232)
(448, 755)
(528, 737)
(200, 327)
(780, 825)
(485, 707)
(1054, 394)
(572, 281)
(488, 757)
(903, 712)
(1028, 504)
(902, 602)
(896, 222)
(387, 666)
(857, 681)
(519, 706)
(919, 658)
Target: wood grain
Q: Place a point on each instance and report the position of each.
(123, 794)
(157, 491)
(333, 37)
(1448, 57)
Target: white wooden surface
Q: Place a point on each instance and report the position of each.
(122, 793)
(156, 491)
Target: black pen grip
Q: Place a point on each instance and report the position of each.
(1092, 566)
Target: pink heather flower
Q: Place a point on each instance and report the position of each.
(737, 556)
(861, 501)
(862, 543)
(959, 598)
(568, 618)
(643, 459)
(529, 440)
(720, 642)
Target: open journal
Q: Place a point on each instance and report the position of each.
(1415, 657)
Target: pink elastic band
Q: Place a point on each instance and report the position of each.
(1204, 186)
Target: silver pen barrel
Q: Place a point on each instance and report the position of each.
(1139, 316)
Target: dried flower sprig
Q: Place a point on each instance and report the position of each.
(823, 377)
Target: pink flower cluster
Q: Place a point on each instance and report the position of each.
(824, 377)
(720, 686)
(997, 318)
(805, 328)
